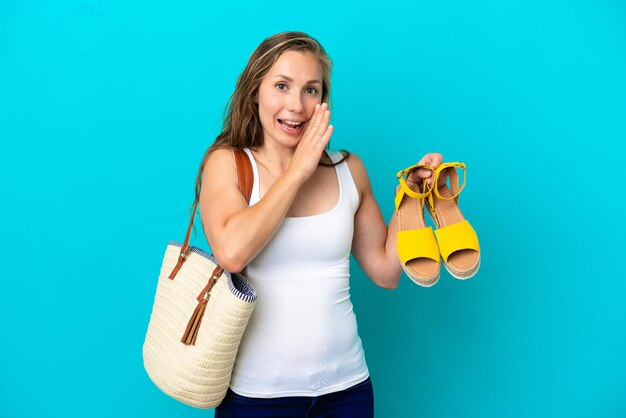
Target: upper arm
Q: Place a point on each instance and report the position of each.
(370, 230)
(220, 197)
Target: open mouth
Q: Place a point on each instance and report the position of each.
(291, 127)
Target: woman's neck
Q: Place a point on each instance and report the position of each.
(274, 157)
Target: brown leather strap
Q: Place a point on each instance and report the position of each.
(245, 177)
(244, 173)
(217, 272)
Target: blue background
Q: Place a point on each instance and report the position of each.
(107, 107)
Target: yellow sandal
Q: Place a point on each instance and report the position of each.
(416, 244)
(457, 240)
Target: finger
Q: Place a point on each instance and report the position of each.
(311, 123)
(418, 175)
(431, 158)
(321, 111)
(425, 177)
(327, 135)
(323, 108)
(315, 119)
(424, 173)
(436, 160)
(323, 125)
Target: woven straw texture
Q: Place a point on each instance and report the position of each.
(197, 375)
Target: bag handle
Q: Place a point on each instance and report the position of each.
(245, 177)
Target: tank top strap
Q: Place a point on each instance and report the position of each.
(346, 181)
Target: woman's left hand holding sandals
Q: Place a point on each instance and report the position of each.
(416, 177)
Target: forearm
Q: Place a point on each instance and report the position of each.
(245, 233)
(374, 247)
(391, 249)
(390, 269)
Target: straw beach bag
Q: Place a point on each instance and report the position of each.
(199, 316)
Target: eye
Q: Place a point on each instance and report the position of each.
(281, 86)
(311, 90)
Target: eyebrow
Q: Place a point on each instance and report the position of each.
(291, 79)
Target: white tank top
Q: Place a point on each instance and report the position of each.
(302, 337)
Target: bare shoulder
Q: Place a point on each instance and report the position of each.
(220, 182)
(220, 196)
(359, 173)
(220, 169)
(220, 158)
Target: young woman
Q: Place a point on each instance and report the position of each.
(301, 355)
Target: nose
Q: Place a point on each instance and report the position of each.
(294, 104)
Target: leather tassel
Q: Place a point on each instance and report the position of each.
(191, 332)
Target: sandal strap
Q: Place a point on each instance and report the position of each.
(405, 187)
(455, 237)
(454, 179)
(455, 187)
(417, 243)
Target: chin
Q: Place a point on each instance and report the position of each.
(289, 141)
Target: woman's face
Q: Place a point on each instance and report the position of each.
(287, 96)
